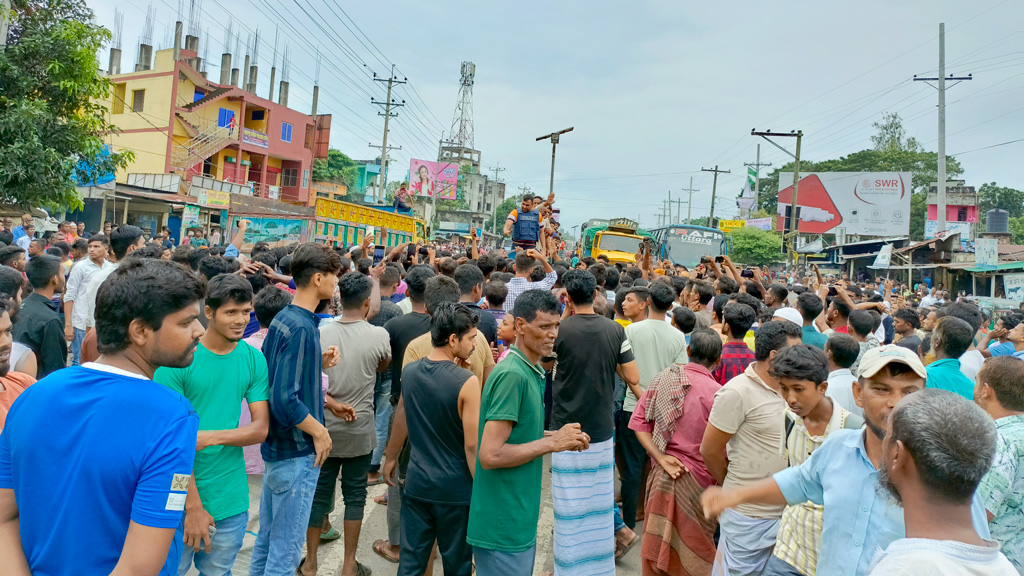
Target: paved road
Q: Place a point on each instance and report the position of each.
(375, 527)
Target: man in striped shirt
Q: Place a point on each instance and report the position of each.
(297, 442)
(736, 355)
(525, 262)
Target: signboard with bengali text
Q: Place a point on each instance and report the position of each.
(255, 138)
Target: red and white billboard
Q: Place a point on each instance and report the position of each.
(864, 203)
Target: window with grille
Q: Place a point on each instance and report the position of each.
(138, 100)
(289, 177)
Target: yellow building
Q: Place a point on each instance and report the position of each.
(175, 120)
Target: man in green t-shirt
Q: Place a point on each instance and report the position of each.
(224, 372)
(505, 505)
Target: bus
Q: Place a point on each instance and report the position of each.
(686, 244)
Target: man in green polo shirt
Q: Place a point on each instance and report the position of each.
(950, 339)
(505, 506)
(224, 372)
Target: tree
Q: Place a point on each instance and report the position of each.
(338, 168)
(755, 246)
(501, 212)
(892, 152)
(51, 114)
(1017, 230)
(992, 195)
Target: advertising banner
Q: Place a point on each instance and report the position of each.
(425, 179)
(865, 203)
(883, 258)
(761, 223)
(255, 138)
(730, 225)
(986, 253)
(274, 231)
(190, 216)
(961, 228)
(1013, 285)
(213, 199)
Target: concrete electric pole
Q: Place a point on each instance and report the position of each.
(689, 204)
(387, 104)
(757, 176)
(494, 210)
(794, 230)
(5, 6)
(940, 213)
(554, 144)
(714, 190)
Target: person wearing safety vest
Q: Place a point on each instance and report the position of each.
(524, 223)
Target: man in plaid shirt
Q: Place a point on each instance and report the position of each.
(525, 262)
(736, 355)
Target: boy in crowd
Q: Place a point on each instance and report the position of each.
(219, 494)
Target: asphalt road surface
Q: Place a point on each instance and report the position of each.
(375, 527)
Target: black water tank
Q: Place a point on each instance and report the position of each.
(997, 221)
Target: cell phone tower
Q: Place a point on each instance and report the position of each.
(462, 124)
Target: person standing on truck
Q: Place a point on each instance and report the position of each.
(524, 223)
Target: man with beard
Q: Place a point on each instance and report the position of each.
(932, 470)
(39, 326)
(125, 449)
(12, 384)
(842, 473)
(219, 496)
(11, 285)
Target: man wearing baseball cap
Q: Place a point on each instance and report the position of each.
(842, 474)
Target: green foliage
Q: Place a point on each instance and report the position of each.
(501, 212)
(1017, 230)
(338, 168)
(51, 114)
(992, 195)
(755, 246)
(892, 152)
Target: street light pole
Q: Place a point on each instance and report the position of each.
(794, 230)
(554, 146)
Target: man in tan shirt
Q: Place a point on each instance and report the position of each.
(747, 419)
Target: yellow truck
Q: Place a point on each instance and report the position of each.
(618, 240)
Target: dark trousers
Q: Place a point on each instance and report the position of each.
(629, 459)
(353, 488)
(422, 523)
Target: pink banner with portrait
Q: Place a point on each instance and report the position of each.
(428, 178)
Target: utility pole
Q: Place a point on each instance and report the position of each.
(757, 175)
(387, 104)
(689, 204)
(494, 205)
(554, 144)
(714, 190)
(794, 231)
(940, 223)
(433, 198)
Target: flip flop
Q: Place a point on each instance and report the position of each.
(381, 499)
(363, 570)
(379, 548)
(331, 535)
(621, 549)
(376, 482)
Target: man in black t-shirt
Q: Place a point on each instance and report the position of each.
(471, 288)
(590, 350)
(403, 330)
(441, 418)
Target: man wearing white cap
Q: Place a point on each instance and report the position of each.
(789, 314)
(842, 474)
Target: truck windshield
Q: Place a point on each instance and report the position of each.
(618, 243)
(688, 252)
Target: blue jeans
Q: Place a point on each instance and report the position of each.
(288, 487)
(382, 417)
(76, 347)
(497, 563)
(224, 546)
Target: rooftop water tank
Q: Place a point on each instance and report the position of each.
(997, 221)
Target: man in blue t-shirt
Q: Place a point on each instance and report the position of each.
(116, 470)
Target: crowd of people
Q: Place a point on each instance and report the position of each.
(756, 422)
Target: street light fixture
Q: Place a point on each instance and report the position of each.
(554, 144)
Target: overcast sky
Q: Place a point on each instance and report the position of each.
(655, 90)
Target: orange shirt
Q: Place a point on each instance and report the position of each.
(13, 385)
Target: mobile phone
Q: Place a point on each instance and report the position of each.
(747, 273)
(719, 259)
(832, 291)
(378, 254)
(705, 260)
